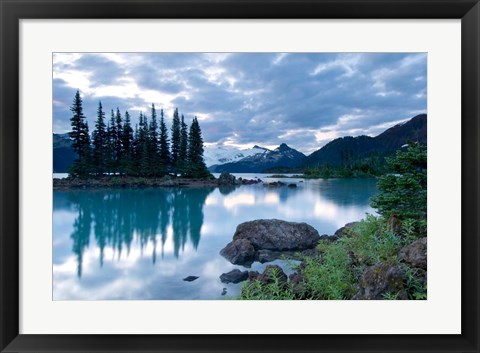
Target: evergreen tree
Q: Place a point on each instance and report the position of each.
(143, 158)
(80, 138)
(196, 165)
(183, 151)
(164, 143)
(118, 144)
(112, 142)
(100, 142)
(127, 147)
(403, 191)
(175, 138)
(153, 148)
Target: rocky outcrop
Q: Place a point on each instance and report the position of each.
(234, 276)
(379, 280)
(226, 179)
(415, 253)
(262, 240)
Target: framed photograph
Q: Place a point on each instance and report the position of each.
(231, 176)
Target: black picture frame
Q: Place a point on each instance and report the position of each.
(12, 11)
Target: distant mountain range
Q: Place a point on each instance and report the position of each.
(282, 156)
(258, 159)
(346, 149)
(63, 154)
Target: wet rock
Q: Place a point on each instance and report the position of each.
(190, 278)
(224, 291)
(292, 186)
(415, 253)
(344, 230)
(381, 279)
(234, 276)
(239, 252)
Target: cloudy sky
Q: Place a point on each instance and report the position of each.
(304, 100)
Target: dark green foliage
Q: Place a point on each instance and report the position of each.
(80, 139)
(127, 163)
(183, 151)
(145, 152)
(164, 143)
(156, 168)
(100, 142)
(196, 165)
(403, 192)
(175, 137)
(118, 143)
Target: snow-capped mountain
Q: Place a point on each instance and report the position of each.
(219, 155)
(282, 156)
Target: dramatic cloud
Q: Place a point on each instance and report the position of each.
(244, 99)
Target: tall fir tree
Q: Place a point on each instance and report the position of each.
(164, 143)
(196, 165)
(118, 144)
(100, 142)
(143, 147)
(127, 146)
(183, 151)
(175, 138)
(80, 138)
(153, 151)
(112, 142)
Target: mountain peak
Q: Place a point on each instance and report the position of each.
(283, 147)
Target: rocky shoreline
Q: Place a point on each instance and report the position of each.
(267, 240)
(116, 181)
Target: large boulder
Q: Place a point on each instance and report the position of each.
(415, 253)
(265, 240)
(379, 280)
(277, 235)
(234, 276)
(239, 252)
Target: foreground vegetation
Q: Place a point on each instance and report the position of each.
(338, 268)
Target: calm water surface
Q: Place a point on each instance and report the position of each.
(140, 244)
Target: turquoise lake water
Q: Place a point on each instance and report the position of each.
(139, 244)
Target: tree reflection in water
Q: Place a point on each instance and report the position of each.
(121, 217)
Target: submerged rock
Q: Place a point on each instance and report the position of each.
(190, 278)
(415, 253)
(224, 291)
(234, 276)
(292, 185)
(381, 279)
